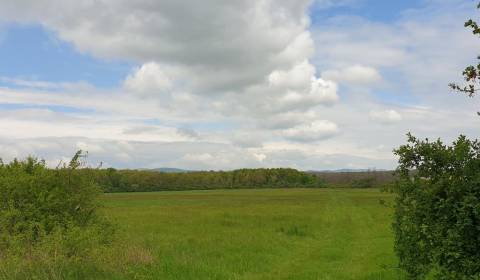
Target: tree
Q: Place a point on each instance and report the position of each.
(437, 210)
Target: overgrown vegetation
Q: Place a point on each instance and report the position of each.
(52, 224)
(49, 219)
(437, 215)
(113, 180)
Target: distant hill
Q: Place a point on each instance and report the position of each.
(170, 170)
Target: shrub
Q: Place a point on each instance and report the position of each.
(37, 203)
(437, 212)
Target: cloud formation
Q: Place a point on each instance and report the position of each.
(230, 84)
(385, 117)
(354, 75)
(312, 132)
(221, 45)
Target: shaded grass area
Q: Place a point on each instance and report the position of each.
(257, 234)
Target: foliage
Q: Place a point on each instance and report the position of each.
(472, 72)
(113, 180)
(49, 211)
(437, 213)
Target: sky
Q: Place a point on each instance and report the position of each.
(220, 85)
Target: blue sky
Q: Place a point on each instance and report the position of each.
(29, 51)
(228, 85)
(375, 10)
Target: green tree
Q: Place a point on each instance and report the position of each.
(437, 212)
(437, 209)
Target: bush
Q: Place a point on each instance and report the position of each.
(437, 212)
(38, 203)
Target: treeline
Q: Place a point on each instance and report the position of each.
(113, 180)
(363, 179)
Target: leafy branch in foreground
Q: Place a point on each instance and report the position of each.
(437, 212)
(472, 72)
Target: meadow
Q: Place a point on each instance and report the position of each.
(257, 234)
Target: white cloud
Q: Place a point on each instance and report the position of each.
(317, 130)
(294, 78)
(44, 85)
(188, 155)
(320, 93)
(345, 41)
(424, 50)
(287, 120)
(260, 157)
(150, 78)
(242, 60)
(205, 157)
(230, 84)
(385, 117)
(354, 75)
(221, 45)
(90, 147)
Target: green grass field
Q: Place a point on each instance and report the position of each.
(257, 234)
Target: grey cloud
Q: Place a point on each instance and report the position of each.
(139, 129)
(354, 75)
(189, 132)
(226, 44)
(206, 56)
(196, 156)
(131, 154)
(312, 132)
(261, 90)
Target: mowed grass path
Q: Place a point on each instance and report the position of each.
(259, 234)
